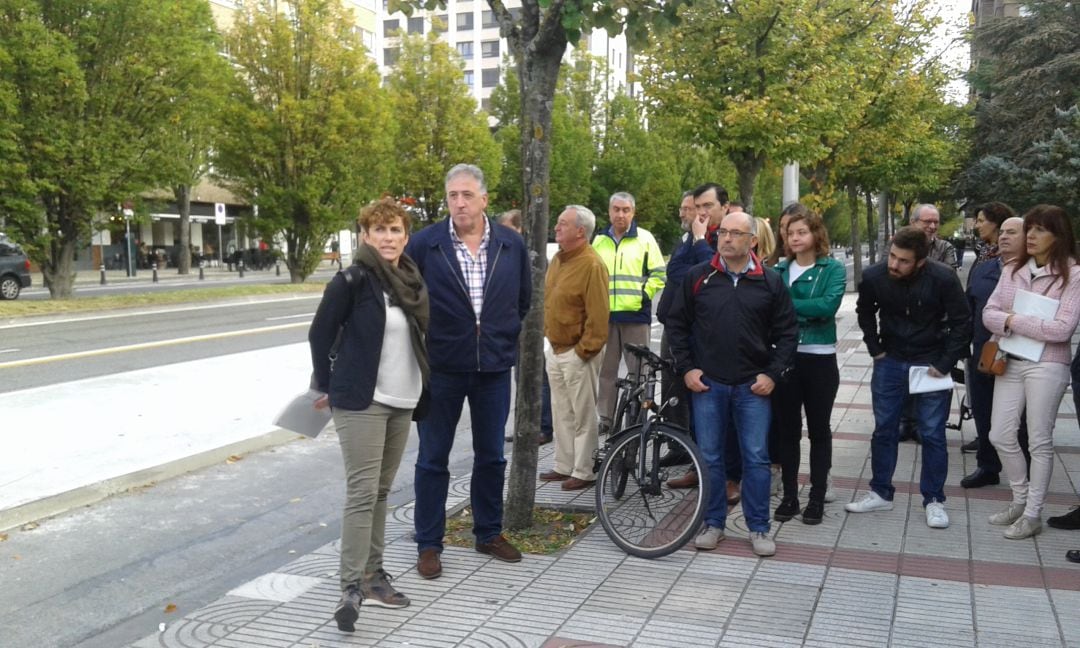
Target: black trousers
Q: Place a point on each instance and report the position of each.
(811, 386)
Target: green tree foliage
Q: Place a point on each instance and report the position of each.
(442, 126)
(92, 90)
(307, 131)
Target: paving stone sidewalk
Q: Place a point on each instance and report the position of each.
(880, 579)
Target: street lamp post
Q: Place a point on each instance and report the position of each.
(128, 213)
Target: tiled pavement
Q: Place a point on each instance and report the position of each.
(880, 579)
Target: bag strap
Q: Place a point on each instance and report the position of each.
(354, 277)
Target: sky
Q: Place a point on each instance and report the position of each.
(956, 52)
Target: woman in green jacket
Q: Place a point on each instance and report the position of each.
(817, 282)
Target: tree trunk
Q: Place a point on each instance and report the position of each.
(59, 270)
(748, 165)
(539, 72)
(871, 229)
(856, 244)
(183, 203)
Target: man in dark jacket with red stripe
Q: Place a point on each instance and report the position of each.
(733, 334)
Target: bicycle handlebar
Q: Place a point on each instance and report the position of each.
(646, 354)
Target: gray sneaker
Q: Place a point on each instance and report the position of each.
(763, 545)
(378, 591)
(348, 609)
(1008, 515)
(1025, 527)
(709, 538)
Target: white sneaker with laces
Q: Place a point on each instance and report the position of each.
(830, 494)
(871, 501)
(936, 516)
(1008, 515)
(1025, 527)
(709, 538)
(762, 544)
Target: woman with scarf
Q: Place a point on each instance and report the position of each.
(369, 358)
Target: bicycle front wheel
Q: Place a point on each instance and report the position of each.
(640, 512)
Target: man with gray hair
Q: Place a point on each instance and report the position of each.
(477, 276)
(928, 219)
(636, 272)
(576, 325)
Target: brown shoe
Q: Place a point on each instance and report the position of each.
(577, 484)
(429, 564)
(733, 495)
(553, 475)
(689, 480)
(500, 549)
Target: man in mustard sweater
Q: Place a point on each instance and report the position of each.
(576, 324)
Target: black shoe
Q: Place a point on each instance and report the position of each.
(348, 609)
(909, 433)
(981, 477)
(970, 447)
(675, 458)
(788, 509)
(1070, 521)
(1073, 555)
(814, 512)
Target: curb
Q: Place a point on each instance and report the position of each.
(92, 493)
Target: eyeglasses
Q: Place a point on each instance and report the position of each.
(733, 233)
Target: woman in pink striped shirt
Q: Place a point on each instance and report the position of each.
(1046, 266)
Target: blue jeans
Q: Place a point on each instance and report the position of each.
(489, 405)
(888, 390)
(714, 411)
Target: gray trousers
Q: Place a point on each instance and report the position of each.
(619, 333)
(372, 442)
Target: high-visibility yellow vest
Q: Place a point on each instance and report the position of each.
(636, 272)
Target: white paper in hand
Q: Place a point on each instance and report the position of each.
(300, 415)
(920, 381)
(1032, 305)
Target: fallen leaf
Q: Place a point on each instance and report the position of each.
(170, 608)
(3, 537)
(29, 526)
(233, 459)
(295, 500)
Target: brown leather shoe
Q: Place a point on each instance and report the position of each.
(500, 549)
(689, 480)
(429, 564)
(577, 484)
(733, 494)
(553, 475)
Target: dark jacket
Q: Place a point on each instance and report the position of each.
(686, 255)
(923, 319)
(981, 283)
(457, 341)
(361, 309)
(732, 332)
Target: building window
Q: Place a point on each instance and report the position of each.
(489, 78)
(440, 23)
(465, 49)
(485, 104)
(416, 25)
(390, 27)
(487, 20)
(390, 55)
(465, 21)
(489, 49)
(469, 78)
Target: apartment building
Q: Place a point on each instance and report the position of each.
(471, 28)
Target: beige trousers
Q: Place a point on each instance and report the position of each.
(1038, 386)
(573, 411)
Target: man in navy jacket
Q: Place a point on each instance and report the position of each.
(477, 275)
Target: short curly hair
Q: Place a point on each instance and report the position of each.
(383, 211)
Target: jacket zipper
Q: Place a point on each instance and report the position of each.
(487, 282)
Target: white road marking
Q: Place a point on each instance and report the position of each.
(159, 311)
(146, 345)
(285, 317)
(8, 350)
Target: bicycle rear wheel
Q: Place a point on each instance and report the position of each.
(642, 515)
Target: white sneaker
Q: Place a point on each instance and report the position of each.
(936, 517)
(775, 481)
(1025, 527)
(1008, 515)
(830, 494)
(709, 538)
(871, 501)
(763, 545)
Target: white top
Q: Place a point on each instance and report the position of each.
(399, 382)
(794, 272)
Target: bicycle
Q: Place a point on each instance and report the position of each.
(640, 513)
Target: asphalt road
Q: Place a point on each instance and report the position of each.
(106, 574)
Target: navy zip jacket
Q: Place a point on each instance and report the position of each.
(456, 340)
(924, 319)
(687, 254)
(730, 331)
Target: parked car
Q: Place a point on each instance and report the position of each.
(14, 269)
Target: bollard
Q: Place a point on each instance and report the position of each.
(153, 266)
(240, 267)
(102, 274)
(277, 267)
(202, 264)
